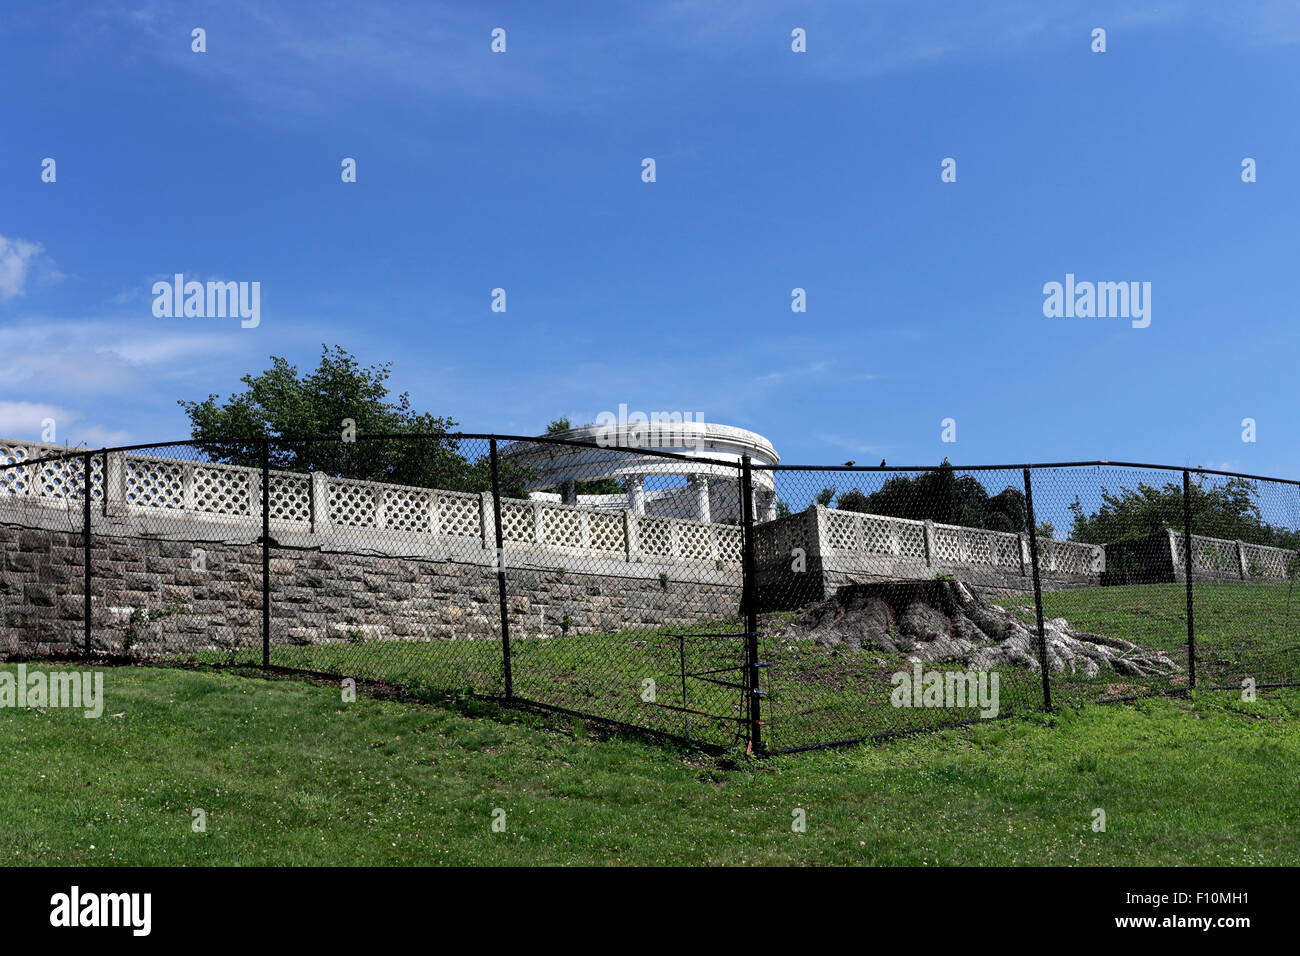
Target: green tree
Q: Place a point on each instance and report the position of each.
(1227, 510)
(280, 403)
(941, 496)
(852, 500)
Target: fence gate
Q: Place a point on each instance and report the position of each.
(629, 611)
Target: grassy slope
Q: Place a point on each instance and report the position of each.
(290, 775)
(816, 695)
(1241, 629)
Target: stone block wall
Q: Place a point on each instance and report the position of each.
(154, 596)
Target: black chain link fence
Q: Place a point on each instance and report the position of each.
(721, 602)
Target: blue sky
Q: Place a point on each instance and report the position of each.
(775, 170)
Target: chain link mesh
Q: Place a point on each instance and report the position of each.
(787, 607)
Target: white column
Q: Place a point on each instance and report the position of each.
(115, 501)
(487, 521)
(700, 484)
(632, 535)
(187, 486)
(636, 493)
(320, 503)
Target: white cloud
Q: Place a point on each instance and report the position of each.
(781, 376)
(23, 419)
(100, 354)
(16, 258)
(27, 421)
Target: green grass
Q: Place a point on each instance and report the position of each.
(1242, 630)
(813, 694)
(289, 774)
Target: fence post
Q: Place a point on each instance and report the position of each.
(749, 598)
(1038, 593)
(266, 552)
(501, 570)
(86, 543)
(1187, 566)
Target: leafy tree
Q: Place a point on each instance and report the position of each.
(280, 403)
(1227, 510)
(825, 497)
(943, 497)
(852, 500)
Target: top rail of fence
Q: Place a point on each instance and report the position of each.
(1042, 465)
(336, 439)
(676, 456)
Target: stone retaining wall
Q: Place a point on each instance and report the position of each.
(151, 595)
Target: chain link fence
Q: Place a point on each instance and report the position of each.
(700, 597)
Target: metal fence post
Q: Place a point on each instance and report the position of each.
(749, 597)
(1038, 593)
(1187, 566)
(86, 543)
(501, 570)
(266, 552)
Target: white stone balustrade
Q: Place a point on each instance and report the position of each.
(124, 484)
(324, 505)
(842, 538)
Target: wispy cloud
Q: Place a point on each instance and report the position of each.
(30, 421)
(23, 419)
(847, 38)
(17, 257)
(783, 376)
(72, 370)
(293, 59)
(849, 443)
(311, 59)
(92, 355)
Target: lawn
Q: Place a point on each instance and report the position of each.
(1242, 630)
(817, 695)
(288, 773)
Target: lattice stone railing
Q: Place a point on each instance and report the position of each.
(54, 480)
(129, 483)
(319, 504)
(1228, 558)
(850, 535)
